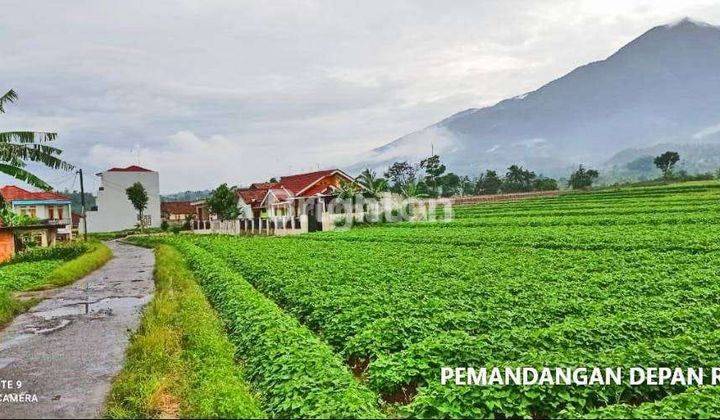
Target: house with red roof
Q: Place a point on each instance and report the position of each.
(295, 195)
(250, 199)
(293, 204)
(177, 212)
(49, 208)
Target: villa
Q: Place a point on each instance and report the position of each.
(292, 196)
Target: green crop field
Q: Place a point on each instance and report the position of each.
(359, 322)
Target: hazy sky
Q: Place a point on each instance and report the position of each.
(228, 91)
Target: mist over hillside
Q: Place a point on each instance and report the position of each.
(661, 88)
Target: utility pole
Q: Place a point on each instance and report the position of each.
(82, 204)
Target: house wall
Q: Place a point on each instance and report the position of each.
(7, 245)
(115, 212)
(177, 217)
(245, 209)
(42, 212)
(275, 211)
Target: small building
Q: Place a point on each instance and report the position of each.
(14, 239)
(114, 211)
(177, 212)
(49, 208)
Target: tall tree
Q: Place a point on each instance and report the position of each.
(400, 174)
(666, 162)
(583, 178)
(138, 196)
(17, 148)
(542, 183)
(518, 179)
(374, 186)
(223, 203)
(450, 184)
(433, 171)
(488, 183)
(467, 185)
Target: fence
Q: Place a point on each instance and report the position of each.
(278, 226)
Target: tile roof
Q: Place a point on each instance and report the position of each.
(297, 183)
(131, 168)
(263, 185)
(280, 193)
(317, 189)
(253, 197)
(13, 193)
(177, 207)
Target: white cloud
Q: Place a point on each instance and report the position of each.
(245, 90)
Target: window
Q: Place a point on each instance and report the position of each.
(28, 211)
(51, 213)
(60, 212)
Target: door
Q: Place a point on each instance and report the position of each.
(313, 214)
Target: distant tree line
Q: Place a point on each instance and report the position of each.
(429, 178)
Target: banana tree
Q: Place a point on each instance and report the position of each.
(374, 186)
(17, 148)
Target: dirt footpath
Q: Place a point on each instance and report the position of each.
(66, 350)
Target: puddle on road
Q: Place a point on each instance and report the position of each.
(103, 307)
(51, 320)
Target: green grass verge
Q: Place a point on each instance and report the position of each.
(30, 272)
(75, 269)
(180, 362)
(10, 307)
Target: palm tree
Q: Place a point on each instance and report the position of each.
(19, 147)
(374, 186)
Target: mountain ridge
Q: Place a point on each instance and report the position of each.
(657, 88)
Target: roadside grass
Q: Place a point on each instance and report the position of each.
(180, 362)
(46, 269)
(77, 268)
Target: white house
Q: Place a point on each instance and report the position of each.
(114, 211)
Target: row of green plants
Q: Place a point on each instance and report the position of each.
(679, 237)
(540, 282)
(693, 349)
(63, 251)
(420, 363)
(354, 312)
(180, 362)
(700, 402)
(296, 374)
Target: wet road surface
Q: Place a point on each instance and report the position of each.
(67, 349)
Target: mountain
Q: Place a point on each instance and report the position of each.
(662, 87)
(637, 163)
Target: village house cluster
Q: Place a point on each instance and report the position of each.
(292, 204)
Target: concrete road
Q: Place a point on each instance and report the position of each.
(66, 350)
